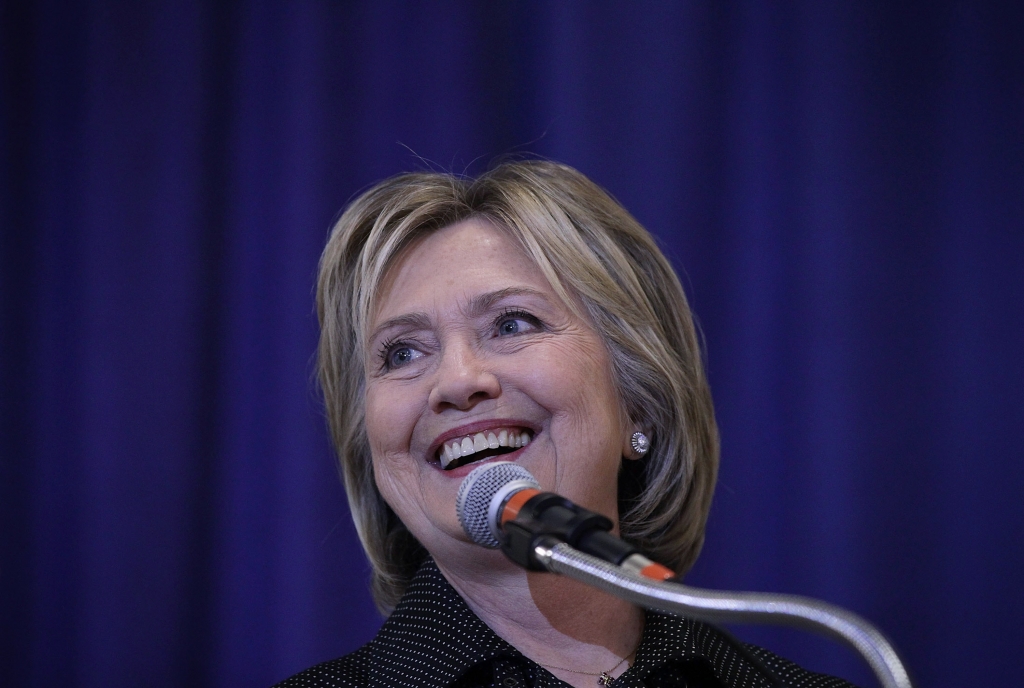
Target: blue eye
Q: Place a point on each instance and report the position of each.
(515, 321)
(400, 356)
(508, 327)
(397, 354)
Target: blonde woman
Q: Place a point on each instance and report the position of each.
(521, 316)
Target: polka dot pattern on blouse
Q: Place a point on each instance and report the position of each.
(433, 640)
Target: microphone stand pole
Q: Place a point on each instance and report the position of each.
(729, 607)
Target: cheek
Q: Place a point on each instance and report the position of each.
(392, 481)
(375, 420)
(388, 440)
(389, 425)
(576, 381)
(389, 419)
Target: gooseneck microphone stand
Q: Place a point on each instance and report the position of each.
(500, 505)
(728, 607)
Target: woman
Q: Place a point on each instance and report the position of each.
(523, 316)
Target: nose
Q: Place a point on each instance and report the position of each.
(463, 379)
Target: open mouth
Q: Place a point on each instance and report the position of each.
(482, 445)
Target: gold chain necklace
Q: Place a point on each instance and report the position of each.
(604, 678)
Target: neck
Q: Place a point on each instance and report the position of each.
(555, 621)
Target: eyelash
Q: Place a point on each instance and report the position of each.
(516, 313)
(384, 354)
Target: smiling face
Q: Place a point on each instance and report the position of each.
(470, 351)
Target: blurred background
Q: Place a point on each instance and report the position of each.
(840, 185)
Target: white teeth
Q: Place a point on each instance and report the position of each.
(479, 442)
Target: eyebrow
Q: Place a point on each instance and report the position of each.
(414, 321)
(485, 302)
(478, 305)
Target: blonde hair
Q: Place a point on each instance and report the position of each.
(594, 253)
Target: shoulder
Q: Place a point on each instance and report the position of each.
(350, 671)
(793, 675)
(670, 640)
(428, 641)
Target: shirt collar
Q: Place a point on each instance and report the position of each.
(432, 637)
(671, 638)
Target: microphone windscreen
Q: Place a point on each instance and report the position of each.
(481, 495)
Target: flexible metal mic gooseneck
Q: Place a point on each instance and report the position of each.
(486, 490)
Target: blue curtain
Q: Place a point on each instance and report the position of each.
(841, 186)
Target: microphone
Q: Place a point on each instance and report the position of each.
(501, 504)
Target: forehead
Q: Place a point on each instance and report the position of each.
(449, 267)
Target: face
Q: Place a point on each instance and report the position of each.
(470, 348)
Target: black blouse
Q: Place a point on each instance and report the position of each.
(433, 639)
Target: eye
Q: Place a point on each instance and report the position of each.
(514, 321)
(397, 354)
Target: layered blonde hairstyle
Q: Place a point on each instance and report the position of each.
(597, 257)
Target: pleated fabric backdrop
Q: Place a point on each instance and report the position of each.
(841, 186)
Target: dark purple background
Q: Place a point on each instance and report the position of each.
(841, 187)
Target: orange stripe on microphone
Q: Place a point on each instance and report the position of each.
(513, 505)
(657, 572)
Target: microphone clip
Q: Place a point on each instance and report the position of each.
(548, 516)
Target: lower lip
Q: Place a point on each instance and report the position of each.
(463, 471)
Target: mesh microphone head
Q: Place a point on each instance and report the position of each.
(482, 494)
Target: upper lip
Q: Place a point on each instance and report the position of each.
(475, 427)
